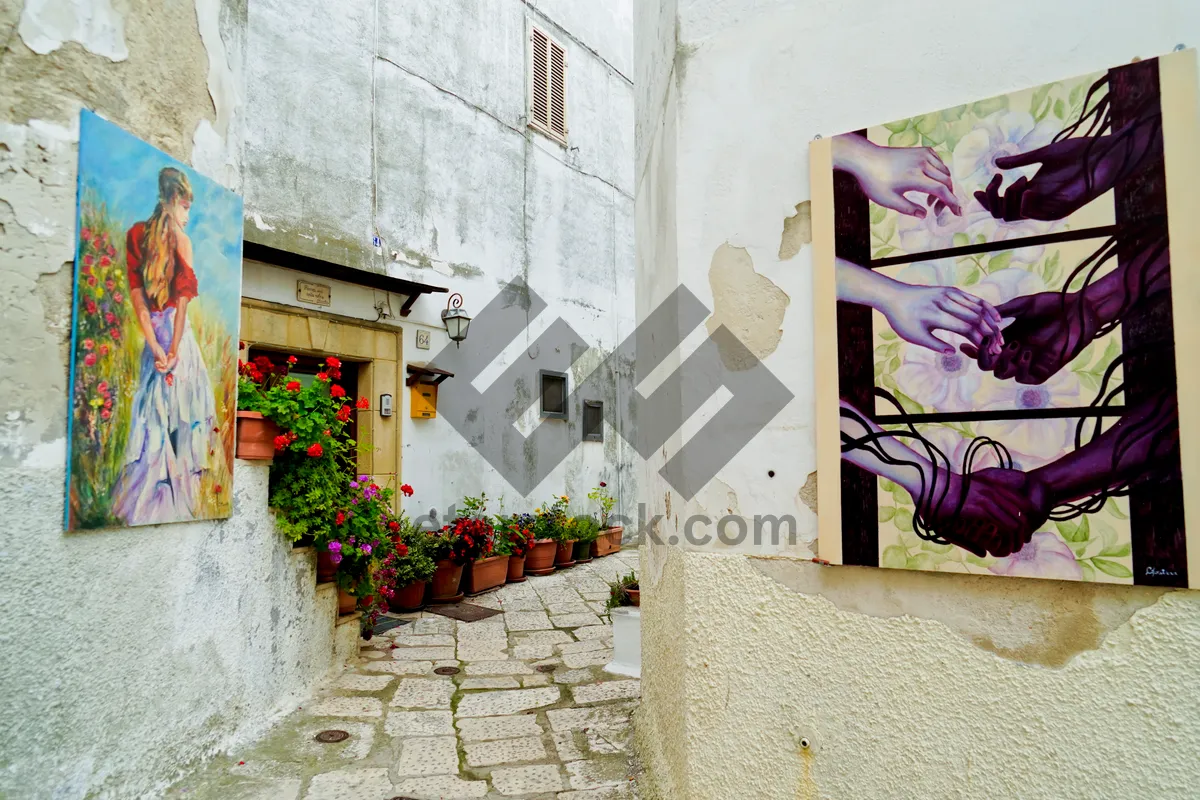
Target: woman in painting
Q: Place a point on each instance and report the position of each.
(173, 410)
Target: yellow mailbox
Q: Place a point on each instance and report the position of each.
(422, 386)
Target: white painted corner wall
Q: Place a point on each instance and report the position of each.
(905, 686)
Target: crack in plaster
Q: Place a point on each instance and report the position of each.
(1030, 621)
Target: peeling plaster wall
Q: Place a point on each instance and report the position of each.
(907, 685)
(408, 121)
(125, 654)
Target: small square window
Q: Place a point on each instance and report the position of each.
(554, 394)
(593, 421)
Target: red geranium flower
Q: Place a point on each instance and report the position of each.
(343, 413)
(315, 450)
(363, 403)
(327, 432)
(293, 386)
(282, 441)
(332, 362)
(340, 518)
(337, 391)
(293, 360)
(406, 490)
(393, 526)
(322, 376)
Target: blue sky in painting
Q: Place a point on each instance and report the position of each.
(123, 170)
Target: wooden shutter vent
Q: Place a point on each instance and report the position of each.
(548, 87)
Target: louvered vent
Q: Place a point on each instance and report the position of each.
(548, 86)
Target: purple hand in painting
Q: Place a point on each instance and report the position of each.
(1050, 329)
(886, 174)
(992, 511)
(1073, 171)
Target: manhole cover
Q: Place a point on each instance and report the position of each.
(446, 671)
(328, 737)
(545, 668)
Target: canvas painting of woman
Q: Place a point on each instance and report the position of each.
(158, 276)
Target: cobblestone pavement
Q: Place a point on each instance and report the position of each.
(499, 728)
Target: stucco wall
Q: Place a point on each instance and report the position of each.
(922, 686)
(412, 125)
(125, 655)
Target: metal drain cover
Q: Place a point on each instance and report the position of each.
(328, 737)
(446, 671)
(545, 668)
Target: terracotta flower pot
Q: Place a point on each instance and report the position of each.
(614, 538)
(325, 566)
(446, 581)
(583, 552)
(516, 569)
(565, 556)
(486, 573)
(255, 436)
(346, 602)
(409, 598)
(635, 596)
(595, 549)
(540, 560)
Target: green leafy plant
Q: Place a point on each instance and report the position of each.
(553, 521)
(515, 534)
(606, 501)
(586, 529)
(618, 592)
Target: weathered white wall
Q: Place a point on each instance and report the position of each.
(921, 686)
(125, 655)
(128, 655)
(412, 126)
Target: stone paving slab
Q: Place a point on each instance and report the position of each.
(536, 779)
(482, 729)
(496, 729)
(495, 704)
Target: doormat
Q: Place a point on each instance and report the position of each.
(464, 612)
(386, 622)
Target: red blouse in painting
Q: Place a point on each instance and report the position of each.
(183, 284)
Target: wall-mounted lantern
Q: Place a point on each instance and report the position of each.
(455, 319)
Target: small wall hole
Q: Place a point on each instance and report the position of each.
(770, 473)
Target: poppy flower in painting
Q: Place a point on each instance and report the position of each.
(91, 280)
(88, 260)
(90, 359)
(88, 344)
(170, 379)
(118, 297)
(85, 234)
(105, 261)
(102, 387)
(109, 318)
(105, 413)
(315, 450)
(115, 333)
(90, 306)
(217, 489)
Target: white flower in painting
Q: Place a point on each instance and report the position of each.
(930, 273)
(936, 231)
(944, 382)
(1044, 556)
(1033, 442)
(1005, 133)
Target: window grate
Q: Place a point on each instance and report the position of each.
(548, 86)
(554, 394)
(593, 421)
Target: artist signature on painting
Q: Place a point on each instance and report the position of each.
(1156, 572)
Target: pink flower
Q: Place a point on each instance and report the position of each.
(85, 234)
(88, 344)
(102, 387)
(105, 413)
(103, 349)
(90, 359)
(118, 297)
(1045, 556)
